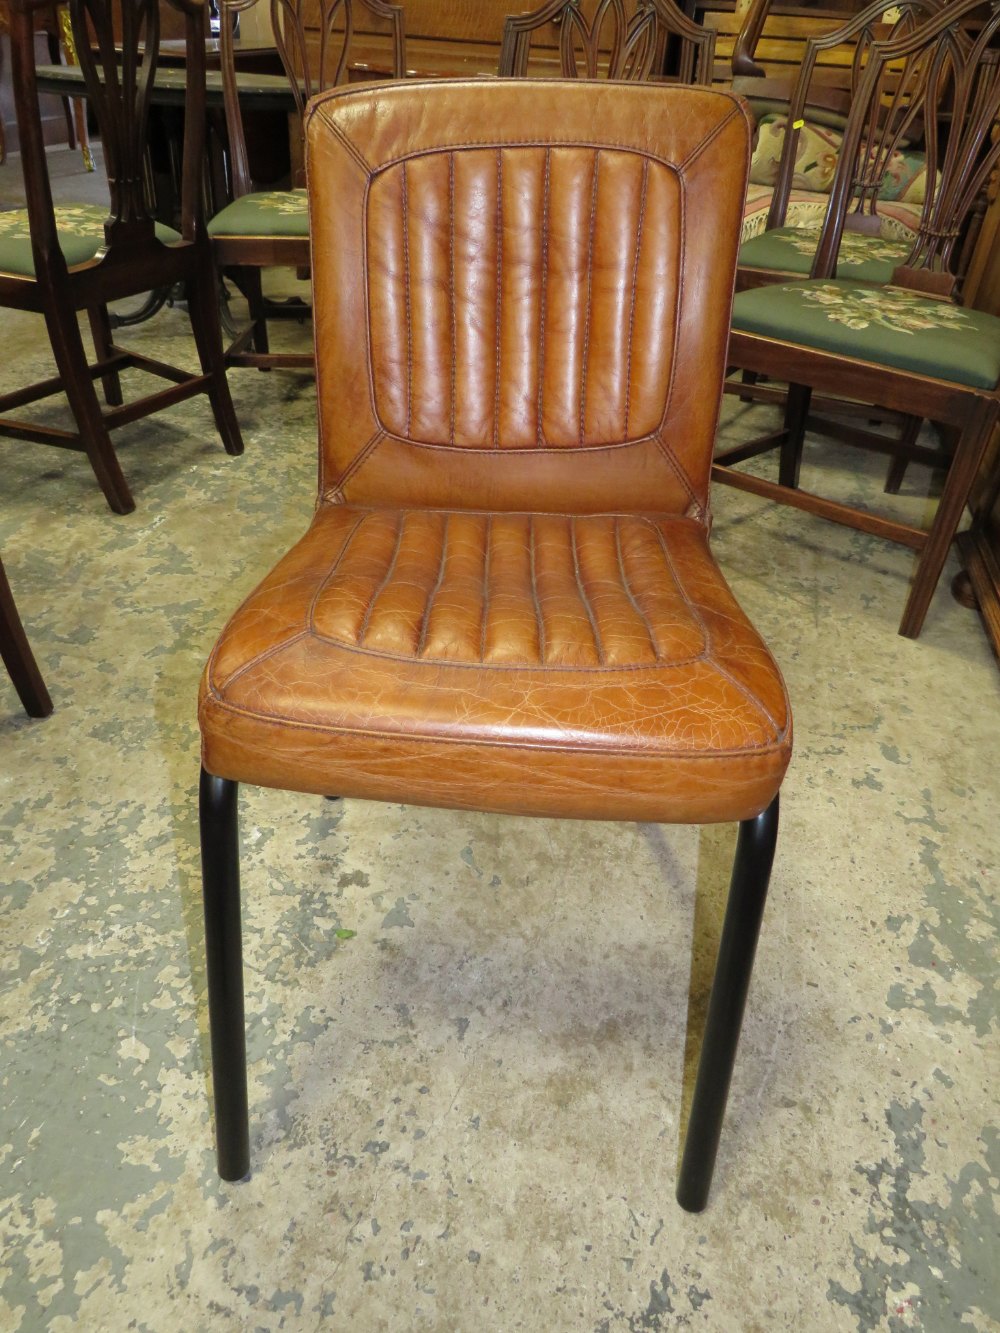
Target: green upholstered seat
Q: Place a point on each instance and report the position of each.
(81, 235)
(791, 250)
(889, 326)
(266, 213)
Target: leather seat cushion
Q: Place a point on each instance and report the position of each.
(593, 666)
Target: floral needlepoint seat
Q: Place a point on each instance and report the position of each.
(886, 325)
(264, 213)
(793, 249)
(80, 231)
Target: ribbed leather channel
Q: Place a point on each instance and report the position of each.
(515, 589)
(522, 296)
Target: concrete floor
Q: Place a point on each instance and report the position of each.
(466, 1108)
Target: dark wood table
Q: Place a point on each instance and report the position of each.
(263, 92)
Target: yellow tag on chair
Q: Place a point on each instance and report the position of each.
(797, 124)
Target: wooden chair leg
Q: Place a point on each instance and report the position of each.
(220, 861)
(71, 360)
(203, 311)
(796, 412)
(744, 912)
(248, 281)
(969, 450)
(100, 329)
(898, 464)
(18, 657)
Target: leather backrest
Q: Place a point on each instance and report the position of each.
(522, 292)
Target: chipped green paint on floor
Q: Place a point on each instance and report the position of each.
(467, 1034)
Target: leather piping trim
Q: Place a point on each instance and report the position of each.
(411, 737)
(709, 653)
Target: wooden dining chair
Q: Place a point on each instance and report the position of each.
(506, 599)
(262, 229)
(624, 39)
(57, 261)
(810, 130)
(15, 650)
(877, 231)
(907, 346)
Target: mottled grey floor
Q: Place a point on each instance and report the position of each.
(466, 1105)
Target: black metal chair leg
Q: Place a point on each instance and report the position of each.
(220, 863)
(747, 895)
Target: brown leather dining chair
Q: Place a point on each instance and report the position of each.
(506, 600)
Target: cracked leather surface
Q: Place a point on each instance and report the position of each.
(506, 599)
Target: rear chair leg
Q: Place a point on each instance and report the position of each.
(220, 864)
(796, 414)
(744, 910)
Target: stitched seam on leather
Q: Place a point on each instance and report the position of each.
(409, 737)
(506, 667)
(635, 280)
(307, 630)
(496, 393)
(355, 152)
(558, 451)
(747, 694)
(425, 625)
(451, 290)
(539, 617)
(590, 293)
(334, 569)
(406, 294)
(583, 593)
(385, 581)
(709, 654)
(471, 145)
(265, 656)
(360, 458)
(486, 589)
(628, 590)
(695, 613)
(539, 434)
(709, 138)
(668, 454)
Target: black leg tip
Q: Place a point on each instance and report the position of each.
(234, 1172)
(692, 1201)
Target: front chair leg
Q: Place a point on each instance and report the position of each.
(220, 865)
(744, 910)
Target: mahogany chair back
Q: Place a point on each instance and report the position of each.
(897, 118)
(623, 39)
(949, 78)
(314, 39)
